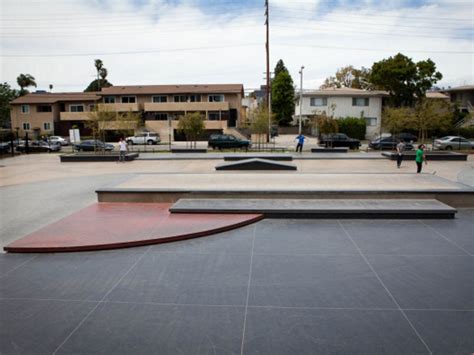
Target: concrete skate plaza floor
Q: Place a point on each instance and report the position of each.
(276, 181)
(275, 287)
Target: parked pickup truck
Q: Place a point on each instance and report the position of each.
(144, 138)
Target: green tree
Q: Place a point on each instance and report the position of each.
(349, 77)
(405, 80)
(24, 81)
(101, 81)
(192, 125)
(430, 116)
(98, 121)
(283, 95)
(396, 119)
(259, 124)
(7, 94)
(323, 123)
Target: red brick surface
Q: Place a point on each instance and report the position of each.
(118, 225)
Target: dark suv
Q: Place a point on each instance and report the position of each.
(388, 143)
(339, 140)
(223, 141)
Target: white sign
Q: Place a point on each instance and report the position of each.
(74, 136)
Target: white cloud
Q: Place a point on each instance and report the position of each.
(189, 44)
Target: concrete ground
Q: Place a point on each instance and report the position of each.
(274, 287)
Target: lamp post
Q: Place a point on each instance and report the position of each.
(301, 98)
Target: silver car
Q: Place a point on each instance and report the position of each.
(453, 142)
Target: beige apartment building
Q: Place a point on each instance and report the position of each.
(160, 107)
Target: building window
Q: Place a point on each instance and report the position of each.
(213, 116)
(76, 108)
(47, 126)
(129, 99)
(158, 99)
(194, 98)
(371, 121)
(180, 98)
(216, 98)
(109, 99)
(161, 116)
(25, 109)
(360, 101)
(26, 126)
(318, 101)
(44, 108)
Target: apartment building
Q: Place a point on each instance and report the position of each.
(47, 113)
(160, 107)
(344, 102)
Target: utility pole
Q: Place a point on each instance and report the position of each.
(267, 47)
(301, 98)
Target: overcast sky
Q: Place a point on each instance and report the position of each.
(223, 41)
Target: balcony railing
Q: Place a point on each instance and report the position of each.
(74, 116)
(186, 106)
(119, 107)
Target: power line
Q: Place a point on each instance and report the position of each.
(50, 55)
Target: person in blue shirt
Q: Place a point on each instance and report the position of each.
(299, 146)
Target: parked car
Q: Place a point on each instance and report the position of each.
(406, 137)
(452, 142)
(223, 141)
(58, 139)
(39, 147)
(5, 148)
(91, 145)
(144, 138)
(339, 140)
(388, 143)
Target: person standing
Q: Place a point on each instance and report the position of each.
(299, 146)
(400, 151)
(420, 157)
(122, 150)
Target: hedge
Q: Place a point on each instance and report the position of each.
(352, 126)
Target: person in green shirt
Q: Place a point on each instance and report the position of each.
(420, 157)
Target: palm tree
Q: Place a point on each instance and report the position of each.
(25, 80)
(103, 73)
(98, 66)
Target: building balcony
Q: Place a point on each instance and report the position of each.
(120, 107)
(74, 116)
(185, 106)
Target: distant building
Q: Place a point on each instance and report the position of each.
(344, 102)
(48, 113)
(463, 96)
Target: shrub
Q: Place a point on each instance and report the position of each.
(352, 126)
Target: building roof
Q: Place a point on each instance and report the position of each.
(436, 95)
(173, 89)
(51, 98)
(461, 88)
(345, 92)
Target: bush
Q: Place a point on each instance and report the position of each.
(352, 126)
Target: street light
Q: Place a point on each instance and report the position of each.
(301, 98)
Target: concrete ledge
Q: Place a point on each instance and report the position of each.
(188, 150)
(84, 157)
(454, 198)
(256, 164)
(330, 150)
(311, 208)
(277, 157)
(448, 156)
